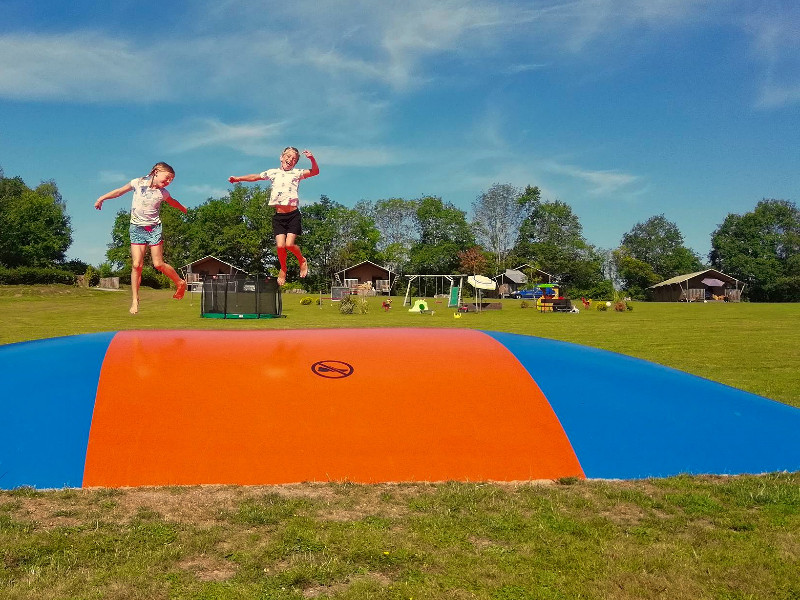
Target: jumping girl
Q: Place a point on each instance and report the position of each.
(148, 194)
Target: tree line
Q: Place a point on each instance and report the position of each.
(509, 226)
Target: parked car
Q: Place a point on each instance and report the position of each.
(539, 290)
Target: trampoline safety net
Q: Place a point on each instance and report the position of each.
(244, 297)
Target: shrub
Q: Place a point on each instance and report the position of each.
(619, 306)
(106, 270)
(601, 306)
(92, 276)
(306, 300)
(628, 306)
(524, 304)
(35, 275)
(362, 304)
(154, 279)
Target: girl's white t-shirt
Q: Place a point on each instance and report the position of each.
(146, 203)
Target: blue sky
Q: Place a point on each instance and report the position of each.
(623, 109)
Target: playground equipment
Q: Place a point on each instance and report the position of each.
(420, 306)
(455, 283)
(240, 297)
(267, 406)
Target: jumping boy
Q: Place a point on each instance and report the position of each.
(286, 222)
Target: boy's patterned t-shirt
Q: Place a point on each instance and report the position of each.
(284, 186)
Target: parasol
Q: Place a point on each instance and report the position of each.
(481, 282)
(711, 282)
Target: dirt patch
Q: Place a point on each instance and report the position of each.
(208, 568)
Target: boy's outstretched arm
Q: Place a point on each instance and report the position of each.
(314, 167)
(251, 177)
(174, 203)
(98, 204)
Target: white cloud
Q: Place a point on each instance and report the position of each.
(113, 177)
(601, 182)
(80, 66)
(775, 36)
(253, 139)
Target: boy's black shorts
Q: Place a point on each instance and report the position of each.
(291, 222)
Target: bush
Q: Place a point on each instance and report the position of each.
(601, 306)
(74, 266)
(35, 275)
(619, 306)
(154, 278)
(106, 270)
(306, 300)
(92, 276)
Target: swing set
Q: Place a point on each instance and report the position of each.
(453, 296)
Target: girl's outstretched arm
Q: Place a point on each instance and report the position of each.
(112, 194)
(174, 203)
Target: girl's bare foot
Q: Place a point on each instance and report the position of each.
(180, 291)
(304, 268)
(281, 277)
(134, 307)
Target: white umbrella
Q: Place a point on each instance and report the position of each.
(481, 282)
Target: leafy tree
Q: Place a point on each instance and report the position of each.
(36, 229)
(119, 253)
(551, 237)
(444, 231)
(497, 216)
(635, 275)
(659, 243)
(334, 238)
(472, 260)
(761, 248)
(236, 229)
(394, 218)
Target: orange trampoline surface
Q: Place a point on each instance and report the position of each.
(261, 407)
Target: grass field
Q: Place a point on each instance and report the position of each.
(676, 538)
(754, 347)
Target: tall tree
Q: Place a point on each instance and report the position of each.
(634, 275)
(444, 231)
(394, 218)
(551, 237)
(497, 216)
(335, 237)
(36, 230)
(659, 243)
(761, 248)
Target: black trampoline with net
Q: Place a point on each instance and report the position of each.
(240, 297)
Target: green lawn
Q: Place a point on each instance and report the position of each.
(754, 347)
(678, 538)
